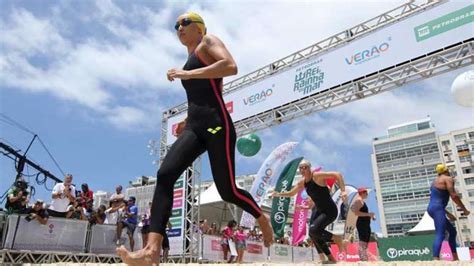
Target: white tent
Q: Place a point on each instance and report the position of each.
(424, 226)
(214, 209)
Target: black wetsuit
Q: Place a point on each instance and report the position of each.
(326, 213)
(209, 127)
(363, 225)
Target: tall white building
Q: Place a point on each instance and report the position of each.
(403, 164)
(458, 151)
(101, 198)
(142, 189)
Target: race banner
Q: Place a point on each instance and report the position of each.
(104, 237)
(352, 252)
(176, 233)
(57, 234)
(264, 176)
(280, 205)
(300, 216)
(412, 248)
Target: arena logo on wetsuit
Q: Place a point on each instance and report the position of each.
(368, 54)
(259, 97)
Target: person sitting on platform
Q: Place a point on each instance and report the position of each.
(37, 212)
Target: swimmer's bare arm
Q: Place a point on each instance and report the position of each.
(328, 175)
(454, 196)
(290, 193)
(223, 66)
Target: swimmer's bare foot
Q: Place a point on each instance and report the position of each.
(145, 257)
(267, 230)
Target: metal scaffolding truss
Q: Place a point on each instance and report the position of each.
(442, 61)
(193, 199)
(330, 43)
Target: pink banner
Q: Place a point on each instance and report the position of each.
(446, 253)
(299, 218)
(352, 254)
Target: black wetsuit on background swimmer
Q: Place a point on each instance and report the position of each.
(208, 128)
(326, 213)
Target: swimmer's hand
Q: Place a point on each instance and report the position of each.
(451, 217)
(177, 73)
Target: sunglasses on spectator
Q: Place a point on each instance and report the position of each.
(185, 22)
(304, 167)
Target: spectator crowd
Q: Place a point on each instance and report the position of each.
(70, 203)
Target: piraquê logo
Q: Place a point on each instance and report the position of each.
(259, 96)
(369, 53)
(308, 78)
(397, 253)
(279, 217)
(445, 23)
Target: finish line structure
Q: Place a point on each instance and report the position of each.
(455, 50)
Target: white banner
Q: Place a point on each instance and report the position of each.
(56, 235)
(104, 237)
(281, 253)
(269, 169)
(415, 36)
(212, 250)
(337, 199)
(301, 254)
(255, 252)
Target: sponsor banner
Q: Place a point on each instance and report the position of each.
(300, 216)
(351, 192)
(281, 253)
(417, 35)
(301, 254)
(256, 252)
(265, 174)
(445, 23)
(179, 183)
(349, 215)
(280, 205)
(176, 213)
(104, 239)
(177, 222)
(211, 248)
(352, 254)
(410, 248)
(446, 253)
(463, 253)
(178, 203)
(175, 234)
(178, 193)
(57, 235)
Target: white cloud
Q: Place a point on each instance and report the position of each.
(25, 34)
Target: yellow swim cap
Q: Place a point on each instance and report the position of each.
(441, 168)
(195, 17)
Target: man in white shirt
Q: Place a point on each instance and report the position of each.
(118, 197)
(63, 194)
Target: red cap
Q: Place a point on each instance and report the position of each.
(361, 190)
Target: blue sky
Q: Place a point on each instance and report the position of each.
(89, 78)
